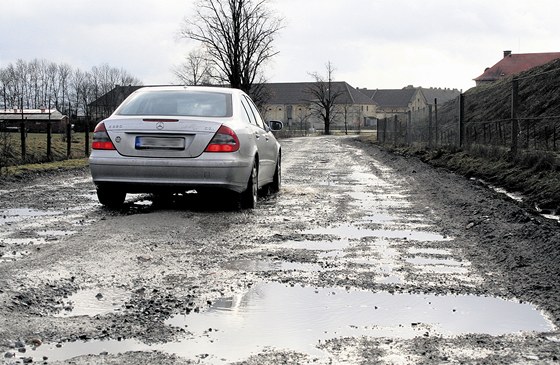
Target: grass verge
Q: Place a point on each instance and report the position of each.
(535, 175)
(37, 169)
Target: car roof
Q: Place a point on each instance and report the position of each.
(225, 90)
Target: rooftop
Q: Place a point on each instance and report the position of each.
(513, 64)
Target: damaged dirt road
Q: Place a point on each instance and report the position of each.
(362, 258)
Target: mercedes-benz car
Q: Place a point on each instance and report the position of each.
(176, 139)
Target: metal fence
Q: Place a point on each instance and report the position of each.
(518, 114)
(20, 145)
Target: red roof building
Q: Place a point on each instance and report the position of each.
(513, 64)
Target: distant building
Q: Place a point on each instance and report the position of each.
(105, 105)
(417, 100)
(291, 103)
(36, 120)
(513, 64)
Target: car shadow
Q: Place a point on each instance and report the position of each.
(206, 202)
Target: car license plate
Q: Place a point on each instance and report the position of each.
(162, 143)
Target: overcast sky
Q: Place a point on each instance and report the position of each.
(371, 43)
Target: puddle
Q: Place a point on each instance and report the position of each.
(429, 251)
(433, 265)
(549, 213)
(330, 312)
(55, 233)
(20, 214)
(442, 269)
(352, 231)
(272, 315)
(92, 302)
(317, 245)
(389, 279)
(553, 215)
(377, 200)
(249, 265)
(13, 255)
(23, 241)
(419, 260)
(514, 196)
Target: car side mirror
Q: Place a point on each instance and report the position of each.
(275, 125)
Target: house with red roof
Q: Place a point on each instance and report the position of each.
(513, 63)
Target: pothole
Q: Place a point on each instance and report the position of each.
(352, 231)
(92, 302)
(272, 315)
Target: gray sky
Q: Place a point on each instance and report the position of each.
(371, 43)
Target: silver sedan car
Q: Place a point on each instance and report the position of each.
(175, 139)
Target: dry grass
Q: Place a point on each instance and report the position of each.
(36, 161)
(535, 174)
(36, 148)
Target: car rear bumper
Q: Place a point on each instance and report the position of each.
(151, 175)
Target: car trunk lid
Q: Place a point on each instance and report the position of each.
(161, 137)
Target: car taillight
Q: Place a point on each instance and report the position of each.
(101, 140)
(225, 140)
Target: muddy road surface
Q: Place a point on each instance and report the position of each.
(362, 258)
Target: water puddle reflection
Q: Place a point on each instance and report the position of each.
(421, 260)
(298, 318)
(13, 255)
(16, 215)
(353, 231)
(249, 265)
(92, 302)
(429, 251)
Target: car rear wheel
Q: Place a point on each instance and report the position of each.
(248, 198)
(110, 198)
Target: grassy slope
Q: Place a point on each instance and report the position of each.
(535, 174)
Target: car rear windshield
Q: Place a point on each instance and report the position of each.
(178, 103)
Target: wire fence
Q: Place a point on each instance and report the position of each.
(22, 145)
(515, 115)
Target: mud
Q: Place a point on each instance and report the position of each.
(362, 258)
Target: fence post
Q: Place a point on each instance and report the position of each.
(514, 110)
(395, 130)
(23, 137)
(384, 130)
(436, 122)
(49, 140)
(461, 120)
(409, 128)
(68, 138)
(430, 131)
(87, 137)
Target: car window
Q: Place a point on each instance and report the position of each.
(248, 111)
(256, 113)
(178, 103)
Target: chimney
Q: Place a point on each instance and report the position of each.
(507, 53)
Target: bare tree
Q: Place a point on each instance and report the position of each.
(237, 35)
(302, 117)
(41, 83)
(196, 70)
(64, 75)
(323, 97)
